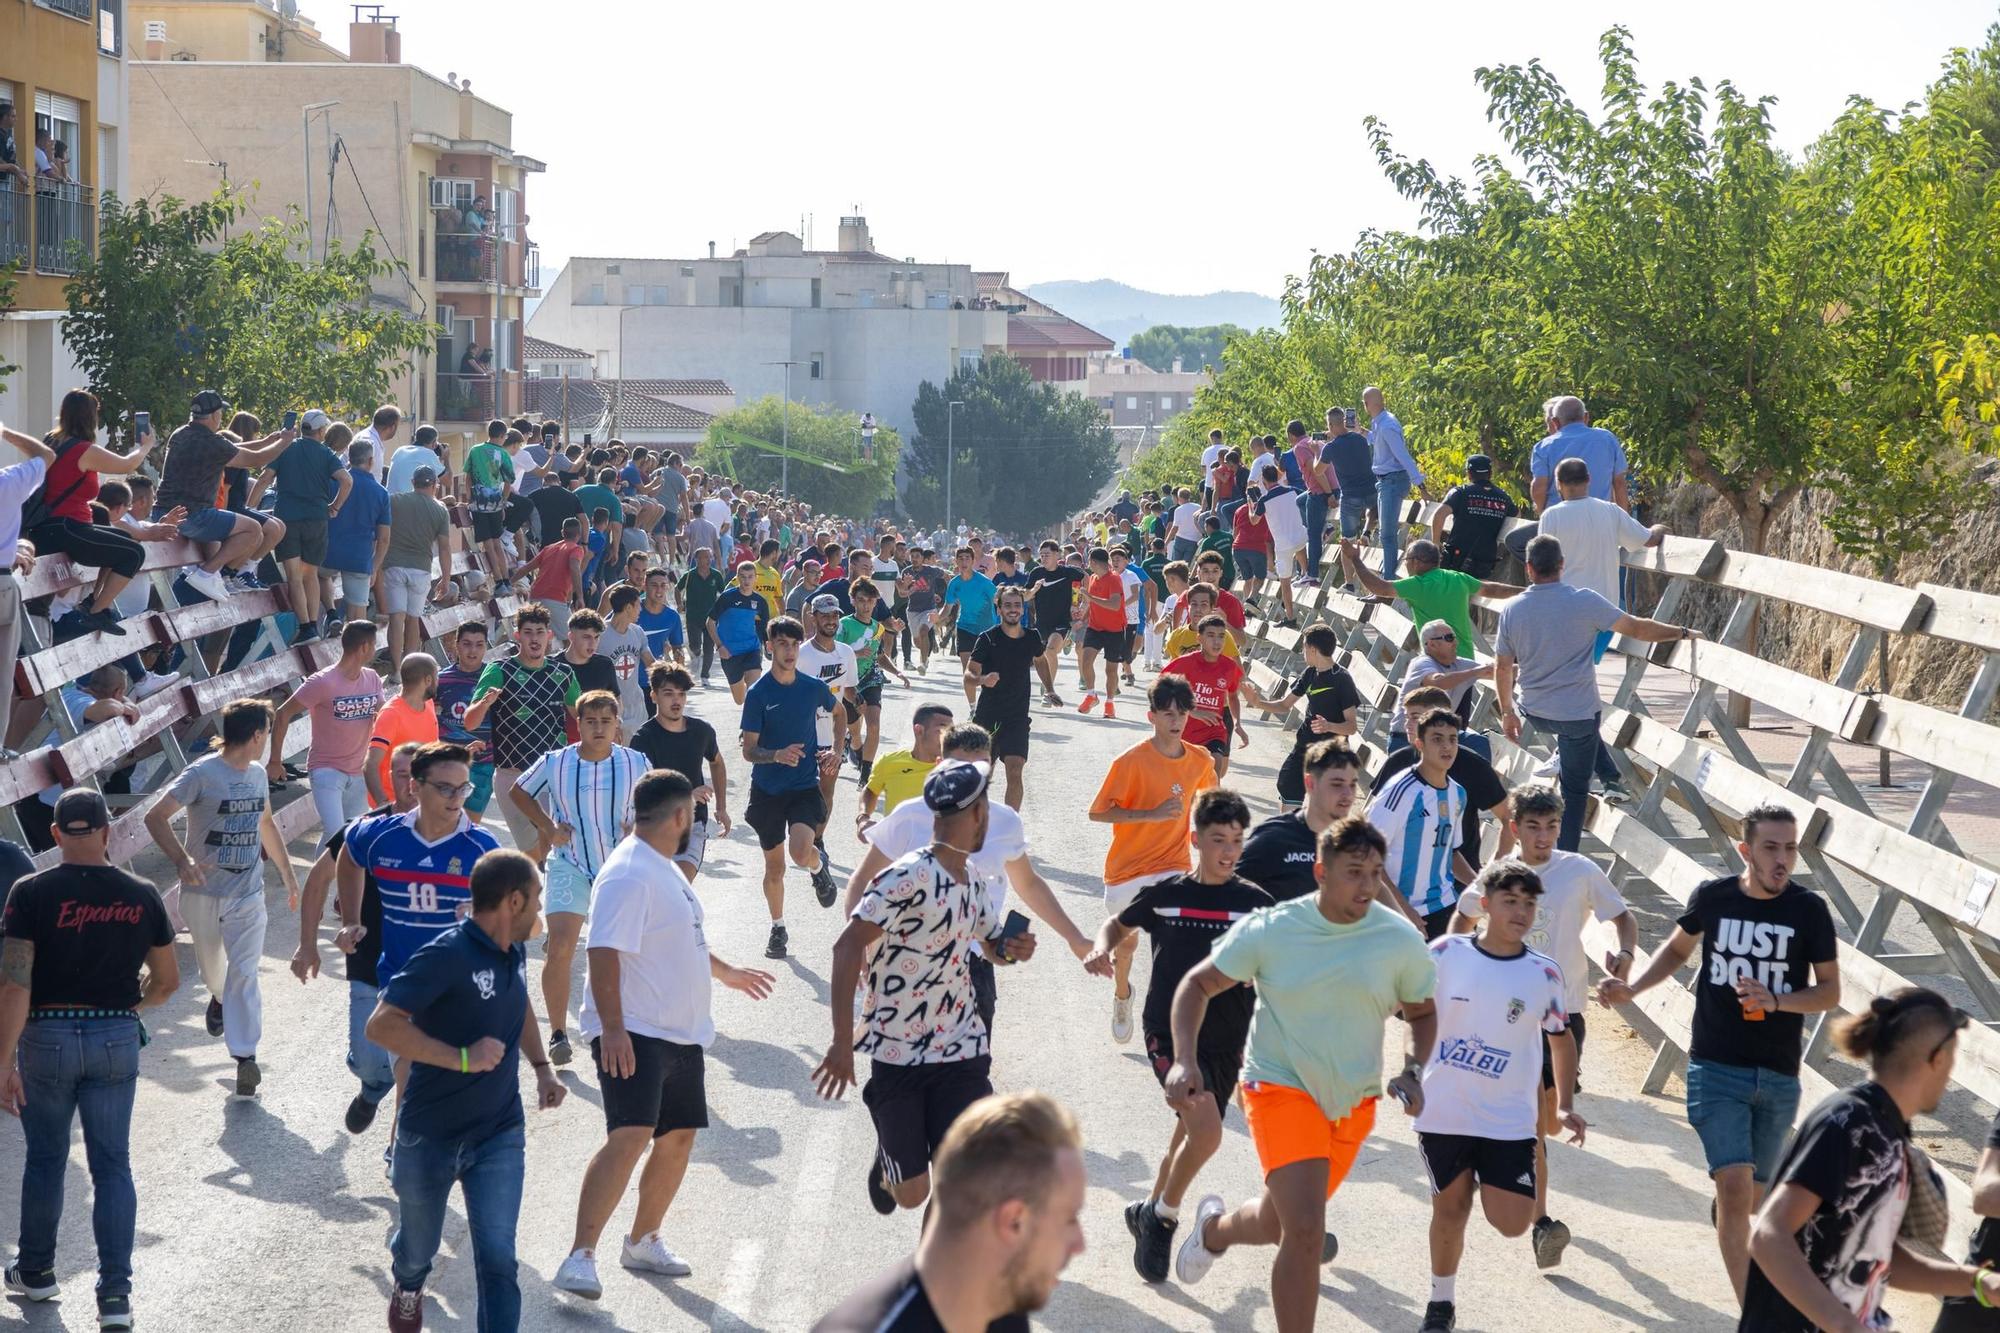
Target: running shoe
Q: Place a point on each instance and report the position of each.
(1110, 709)
(213, 1019)
(578, 1276)
(1089, 702)
(651, 1255)
(1551, 1238)
(306, 633)
(406, 1310)
(35, 1286)
(1193, 1260)
(151, 684)
(559, 1049)
(360, 1114)
(1617, 792)
(878, 1189)
(104, 622)
(775, 946)
(114, 1312)
(1121, 1019)
(248, 1076)
(208, 583)
(1439, 1317)
(824, 888)
(1329, 1248)
(1289, 622)
(1153, 1256)
(1053, 700)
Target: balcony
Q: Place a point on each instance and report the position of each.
(15, 228)
(531, 267)
(465, 256)
(46, 229)
(76, 9)
(479, 398)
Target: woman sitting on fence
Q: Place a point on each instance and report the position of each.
(61, 514)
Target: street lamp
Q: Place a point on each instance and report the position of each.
(949, 408)
(785, 463)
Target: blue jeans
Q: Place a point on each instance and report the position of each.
(1316, 502)
(1354, 513)
(87, 1066)
(1741, 1115)
(1180, 548)
(490, 1172)
(375, 1067)
(1576, 754)
(1392, 490)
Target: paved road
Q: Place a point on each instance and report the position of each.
(264, 1214)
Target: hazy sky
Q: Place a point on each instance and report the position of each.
(1177, 147)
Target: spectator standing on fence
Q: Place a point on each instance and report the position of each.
(1572, 436)
(312, 484)
(227, 796)
(418, 527)
(1477, 509)
(1350, 462)
(1318, 493)
(18, 482)
(489, 473)
(59, 520)
(75, 939)
(344, 699)
(421, 451)
(1759, 932)
(191, 480)
(1544, 646)
(1593, 533)
(381, 429)
(1396, 474)
(357, 535)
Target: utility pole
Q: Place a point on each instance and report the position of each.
(949, 408)
(785, 461)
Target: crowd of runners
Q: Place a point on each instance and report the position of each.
(1431, 894)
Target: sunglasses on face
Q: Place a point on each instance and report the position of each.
(1442, 638)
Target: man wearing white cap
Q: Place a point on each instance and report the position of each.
(313, 483)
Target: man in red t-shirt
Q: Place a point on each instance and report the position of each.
(1217, 682)
(1103, 632)
(558, 571)
(1250, 541)
(1208, 569)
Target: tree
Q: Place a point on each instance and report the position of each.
(7, 284)
(167, 307)
(827, 468)
(1027, 454)
(1163, 344)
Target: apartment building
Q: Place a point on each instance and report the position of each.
(1055, 348)
(1136, 396)
(252, 93)
(64, 78)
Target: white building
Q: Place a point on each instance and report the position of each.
(861, 328)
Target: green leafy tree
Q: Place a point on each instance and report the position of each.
(1026, 454)
(1163, 344)
(7, 285)
(827, 470)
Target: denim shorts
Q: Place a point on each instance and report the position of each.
(1741, 1114)
(1252, 564)
(208, 525)
(482, 787)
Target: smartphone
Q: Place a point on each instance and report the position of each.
(1016, 924)
(142, 425)
(291, 419)
(586, 437)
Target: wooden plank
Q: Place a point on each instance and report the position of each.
(192, 622)
(1397, 629)
(295, 818)
(321, 654)
(58, 665)
(1971, 618)
(1666, 866)
(1369, 682)
(27, 775)
(1847, 715)
(99, 748)
(443, 620)
(248, 681)
(1908, 864)
(1849, 596)
(58, 573)
(1714, 772)
(1686, 557)
(1940, 739)
(129, 835)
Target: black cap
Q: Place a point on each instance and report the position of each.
(207, 401)
(80, 812)
(424, 476)
(955, 786)
(1479, 465)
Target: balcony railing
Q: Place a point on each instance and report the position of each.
(465, 256)
(479, 397)
(65, 225)
(76, 9)
(15, 227)
(531, 267)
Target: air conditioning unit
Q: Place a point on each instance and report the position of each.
(613, 270)
(447, 318)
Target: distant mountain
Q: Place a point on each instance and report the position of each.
(1118, 311)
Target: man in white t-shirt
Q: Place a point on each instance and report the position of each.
(1215, 450)
(646, 1017)
(824, 657)
(1477, 1122)
(1185, 526)
(1593, 532)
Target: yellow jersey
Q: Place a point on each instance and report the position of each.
(898, 777)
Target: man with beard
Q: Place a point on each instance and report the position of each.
(1002, 659)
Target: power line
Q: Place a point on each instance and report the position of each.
(168, 99)
(401, 267)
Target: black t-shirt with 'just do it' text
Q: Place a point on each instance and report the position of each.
(1777, 941)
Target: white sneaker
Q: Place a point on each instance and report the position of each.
(578, 1276)
(152, 683)
(207, 582)
(1193, 1260)
(1548, 769)
(1121, 1019)
(651, 1255)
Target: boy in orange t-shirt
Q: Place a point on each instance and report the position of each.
(1103, 632)
(1146, 797)
(410, 716)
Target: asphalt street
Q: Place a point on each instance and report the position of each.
(265, 1214)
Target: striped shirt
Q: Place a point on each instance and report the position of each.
(593, 797)
(1421, 824)
(423, 884)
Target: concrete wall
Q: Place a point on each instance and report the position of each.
(208, 30)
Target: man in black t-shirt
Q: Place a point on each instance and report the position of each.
(1759, 934)
(1002, 659)
(1965, 1314)
(1332, 707)
(1184, 917)
(1281, 855)
(1015, 1151)
(75, 938)
(1477, 510)
(673, 740)
(1053, 586)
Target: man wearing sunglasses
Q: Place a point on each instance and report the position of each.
(1439, 666)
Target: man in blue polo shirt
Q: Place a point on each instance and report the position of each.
(1573, 436)
(457, 1012)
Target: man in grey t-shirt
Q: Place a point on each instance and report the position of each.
(418, 525)
(1545, 645)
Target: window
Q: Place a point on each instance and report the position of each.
(1131, 402)
(635, 294)
(61, 118)
(450, 192)
(818, 364)
(815, 299)
(968, 361)
(110, 25)
(730, 292)
(659, 296)
(594, 294)
(1166, 402)
(687, 270)
(510, 211)
(613, 270)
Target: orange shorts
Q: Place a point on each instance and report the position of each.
(1287, 1126)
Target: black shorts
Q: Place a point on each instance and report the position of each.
(1505, 1164)
(984, 993)
(1480, 567)
(1009, 731)
(738, 665)
(913, 1105)
(667, 1089)
(304, 539)
(1113, 643)
(517, 513)
(966, 640)
(871, 695)
(1436, 923)
(1548, 1066)
(1292, 777)
(1217, 1075)
(487, 526)
(771, 813)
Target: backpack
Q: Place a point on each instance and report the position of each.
(39, 508)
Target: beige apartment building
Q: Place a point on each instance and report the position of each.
(252, 93)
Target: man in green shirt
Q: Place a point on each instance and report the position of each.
(600, 494)
(489, 473)
(1433, 592)
(1309, 1086)
(868, 633)
(1220, 540)
(699, 588)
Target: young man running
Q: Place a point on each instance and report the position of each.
(1218, 691)
(1135, 585)
(1184, 917)
(871, 637)
(579, 800)
(1481, 1103)
(673, 740)
(593, 669)
(454, 694)
(1309, 1085)
(1103, 633)
(1002, 659)
(1418, 813)
(1332, 707)
(1282, 853)
(1573, 891)
(228, 799)
(1053, 587)
(410, 717)
(739, 622)
(899, 775)
(646, 1014)
(532, 700)
(1197, 605)
(968, 603)
(626, 643)
(781, 727)
(826, 658)
(700, 587)
(1145, 797)
(664, 627)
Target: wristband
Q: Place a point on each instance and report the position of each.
(1979, 1292)
(539, 1064)
(464, 1061)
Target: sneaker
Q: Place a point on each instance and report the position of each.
(360, 1114)
(1110, 709)
(248, 1076)
(1053, 700)
(1547, 769)
(1329, 1248)
(651, 1255)
(1439, 1317)
(406, 1310)
(305, 634)
(151, 684)
(559, 1049)
(114, 1312)
(578, 1276)
(824, 887)
(1617, 793)
(1289, 622)
(1550, 1238)
(213, 1019)
(35, 1286)
(1153, 1256)
(1121, 1019)
(1193, 1260)
(1089, 702)
(775, 946)
(208, 583)
(104, 622)
(879, 1197)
